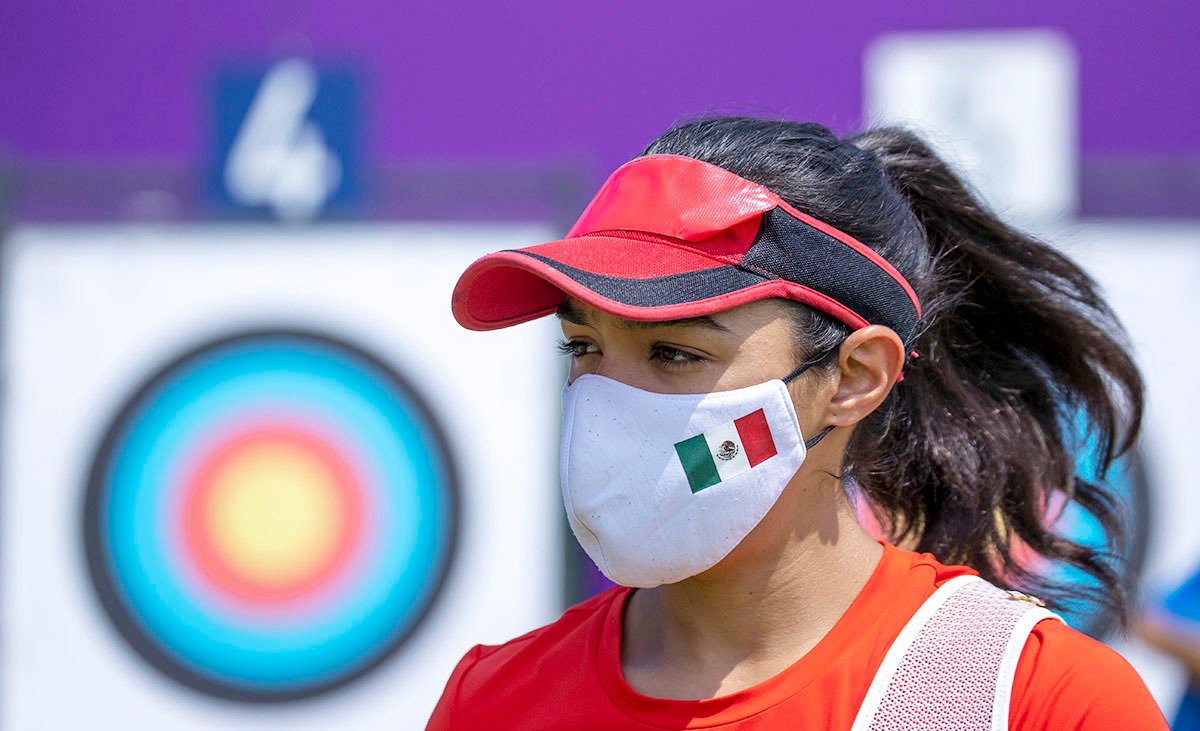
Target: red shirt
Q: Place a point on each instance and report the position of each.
(567, 675)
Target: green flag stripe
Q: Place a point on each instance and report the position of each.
(698, 463)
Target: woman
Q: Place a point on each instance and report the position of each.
(760, 318)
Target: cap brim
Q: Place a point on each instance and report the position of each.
(641, 280)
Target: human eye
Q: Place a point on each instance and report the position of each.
(671, 357)
(576, 348)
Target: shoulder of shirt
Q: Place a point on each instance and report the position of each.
(1056, 664)
(1049, 640)
(1059, 662)
(569, 633)
(1059, 656)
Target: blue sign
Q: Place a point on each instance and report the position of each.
(286, 140)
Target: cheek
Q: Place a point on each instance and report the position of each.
(810, 403)
(751, 365)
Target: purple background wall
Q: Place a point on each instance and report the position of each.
(546, 79)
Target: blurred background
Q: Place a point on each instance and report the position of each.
(252, 474)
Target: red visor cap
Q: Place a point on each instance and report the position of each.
(665, 238)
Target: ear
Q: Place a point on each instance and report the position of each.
(869, 362)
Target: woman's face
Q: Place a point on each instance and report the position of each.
(739, 347)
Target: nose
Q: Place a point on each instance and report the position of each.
(628, 369)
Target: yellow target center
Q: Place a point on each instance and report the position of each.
(274, 515)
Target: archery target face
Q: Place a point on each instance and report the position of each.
(270, 515)
(256, 477)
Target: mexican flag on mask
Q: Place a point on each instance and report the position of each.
(726, 451)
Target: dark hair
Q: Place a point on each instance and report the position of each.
(968, 453)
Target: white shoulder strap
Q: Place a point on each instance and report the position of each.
(953, 664)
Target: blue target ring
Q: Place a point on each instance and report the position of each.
(270, 516)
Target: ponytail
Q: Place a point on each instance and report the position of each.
(1018, 343)
(974, 452)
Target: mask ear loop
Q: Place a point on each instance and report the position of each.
(817, 359)
(815, 440)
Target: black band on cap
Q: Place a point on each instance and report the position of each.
(791, 249)
(670, 289)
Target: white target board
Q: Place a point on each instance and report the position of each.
(257, 477)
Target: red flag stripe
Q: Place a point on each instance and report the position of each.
(756, 437)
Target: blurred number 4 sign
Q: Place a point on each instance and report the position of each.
(286, 140)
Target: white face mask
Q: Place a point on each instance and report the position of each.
(659, 487)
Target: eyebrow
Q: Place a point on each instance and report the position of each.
(568, 312)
